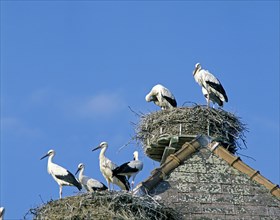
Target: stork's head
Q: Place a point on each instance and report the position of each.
(101, 146)
(151, 96)
(80, 166)
(148, 97)
(197, 67)
(135, 155)
(50, 153)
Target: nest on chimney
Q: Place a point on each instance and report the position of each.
(218, 124)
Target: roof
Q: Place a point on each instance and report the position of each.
(237, 163)
(203, 180)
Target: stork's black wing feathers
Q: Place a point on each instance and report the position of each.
(219, 88)
(70, 178)
(124, 168)
(171, 101)
(215, 99)
(100, 189)
(124, 180)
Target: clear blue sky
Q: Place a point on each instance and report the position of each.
(70, 69)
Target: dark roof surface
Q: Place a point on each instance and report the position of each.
(211, 183)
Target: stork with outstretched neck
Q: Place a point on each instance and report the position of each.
(106, 167)
(61, 175)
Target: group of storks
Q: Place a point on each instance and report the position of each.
(212, 90)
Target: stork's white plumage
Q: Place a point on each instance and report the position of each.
(162, 97)
(212, 89)
(2, 212)
(87, 182)
(130, 169)
(106, 167)
(61, 175)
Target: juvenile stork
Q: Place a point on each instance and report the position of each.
(162, 97)
(212, 89)
(90, 184)
(106, 167)
(130, 169)
(61, 175)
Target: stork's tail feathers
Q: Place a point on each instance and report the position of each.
(125, 182)
(171, 101)
(78, 185)
(226, 98)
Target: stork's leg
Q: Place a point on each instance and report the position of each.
(60, 191)
(208, 101)
(113, 186)
(132, 184)
(108, 183)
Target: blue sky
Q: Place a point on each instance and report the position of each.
(70, 69)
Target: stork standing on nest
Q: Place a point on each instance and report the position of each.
(212, 89)
(106, 167)
(162, 97)
(61, 175)
(130, 169)
(88, 183)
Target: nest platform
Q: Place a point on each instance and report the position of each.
(104, 205)
(172, 128)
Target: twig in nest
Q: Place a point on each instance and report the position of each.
(42, 199)
(137, 114)
(125, 145)
(246, 156)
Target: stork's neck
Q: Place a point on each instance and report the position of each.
(50, 159)
(198, 76)
(196, 71)
(102, 153)
(81, 173)
(50, 162)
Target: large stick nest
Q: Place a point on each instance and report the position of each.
(104, 205)
(221, 125)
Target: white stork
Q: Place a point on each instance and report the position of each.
(212, 89)
(130, 169)
(106, 167)
(61, 175)
(87, 182)
(162, 97)
(2, 211)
